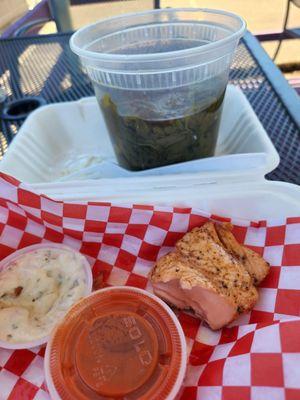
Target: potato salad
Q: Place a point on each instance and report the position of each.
(36, 290)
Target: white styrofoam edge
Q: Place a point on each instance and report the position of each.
(12, 257)
(140, 184)
(183, 364)
(188, 194)
(139, 190)
(273, 158)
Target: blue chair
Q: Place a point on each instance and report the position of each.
(286, 32)
(51, 10)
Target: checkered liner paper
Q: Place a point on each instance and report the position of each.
(257, 358)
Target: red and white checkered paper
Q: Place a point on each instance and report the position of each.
(257, 358)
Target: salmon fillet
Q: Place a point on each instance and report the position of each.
(256, 266)
(211, 273)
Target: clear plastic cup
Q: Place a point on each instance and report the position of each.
(160, 78)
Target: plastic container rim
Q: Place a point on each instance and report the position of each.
(88, 54)
(183, 366)
(7, 260)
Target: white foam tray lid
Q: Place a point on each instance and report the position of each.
(250, 198)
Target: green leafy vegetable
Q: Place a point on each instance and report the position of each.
(140, 143)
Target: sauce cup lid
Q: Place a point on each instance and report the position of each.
(119, 342)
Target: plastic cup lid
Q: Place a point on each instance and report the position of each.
(118, 342)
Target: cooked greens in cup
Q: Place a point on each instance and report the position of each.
(142, 143)
(160, 77)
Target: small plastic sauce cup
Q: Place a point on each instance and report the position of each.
(7, 261)
(119, 342)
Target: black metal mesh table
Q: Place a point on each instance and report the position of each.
(45, 66)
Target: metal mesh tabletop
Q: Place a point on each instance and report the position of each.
(45, 66)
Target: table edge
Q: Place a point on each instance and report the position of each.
(285, 92)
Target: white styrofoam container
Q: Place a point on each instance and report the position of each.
(242, 196)
(51, 133)
(230, 184)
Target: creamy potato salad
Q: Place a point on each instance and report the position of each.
(36, 290)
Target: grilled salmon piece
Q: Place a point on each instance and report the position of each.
(257, 267)
(203, 275)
